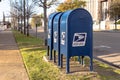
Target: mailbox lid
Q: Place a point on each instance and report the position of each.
(50, 29)
(56, 31)
(80, 27)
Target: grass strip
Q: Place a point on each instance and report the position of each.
(33, 51)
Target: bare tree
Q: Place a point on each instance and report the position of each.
(18, 7)
(37, 19)
(25, 10)
(114, 10)
(17, 11)
(29, 12)
(14, 15)
(45, 4)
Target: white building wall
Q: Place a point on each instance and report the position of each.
(92, 7)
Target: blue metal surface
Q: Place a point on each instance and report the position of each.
(50, 33)
(56, 35)
(76, 35)
(64, 33)
(56, 31)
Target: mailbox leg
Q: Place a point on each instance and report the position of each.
(82, 61)
(79, 59)
(61, 60)
(54, 56)
(91, 64)
(47, 50)
(58, 59)
(50, 54)
(67, 65)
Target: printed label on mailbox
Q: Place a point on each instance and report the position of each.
(63, 38)
(79, 39)
(55, 36)
(49, 31)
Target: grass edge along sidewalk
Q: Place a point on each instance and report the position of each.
(33, 51)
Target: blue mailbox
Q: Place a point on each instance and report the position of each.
(56, 36)
(50, 34)
(76, 35)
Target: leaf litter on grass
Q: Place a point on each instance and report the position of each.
(33, 51)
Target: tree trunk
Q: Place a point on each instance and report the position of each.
(24, 18)
(18, 24)
(21, 19)
(45, 23)
(21, 23)
(27, 20)
(27, 26)
(115, 22)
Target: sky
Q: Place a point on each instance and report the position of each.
(5, 7)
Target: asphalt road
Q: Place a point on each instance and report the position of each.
(39, 32)
(106, 45)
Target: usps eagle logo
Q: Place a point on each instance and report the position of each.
(79, 39)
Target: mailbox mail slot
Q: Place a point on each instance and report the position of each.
(50, 34)
(56, 36)
(76, 35)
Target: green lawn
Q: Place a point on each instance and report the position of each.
(33, 51)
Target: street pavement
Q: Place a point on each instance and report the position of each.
(11, 63)
(39, 32)
(106, 45)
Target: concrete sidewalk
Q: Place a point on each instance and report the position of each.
(11, 63)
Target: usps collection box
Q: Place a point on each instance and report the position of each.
(72, 34)
(56, 36)
(76, 35)
(50, 34)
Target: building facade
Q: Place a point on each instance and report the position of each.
(99, 11)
